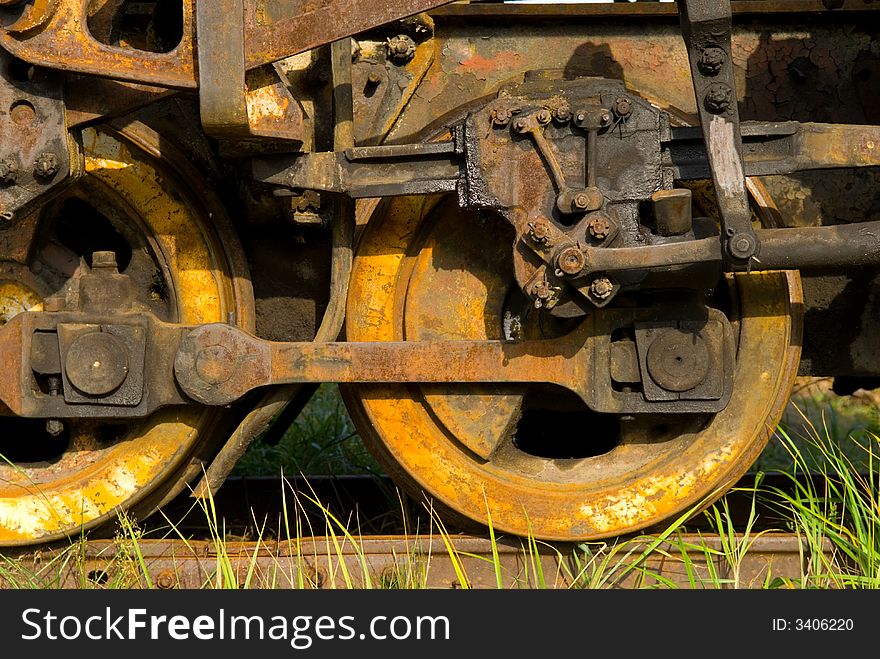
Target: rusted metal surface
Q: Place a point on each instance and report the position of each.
(49, 34)
(315, 24)
(233, 103)
(419, 561)
(52, 36)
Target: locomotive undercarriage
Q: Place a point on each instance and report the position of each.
(567, 305)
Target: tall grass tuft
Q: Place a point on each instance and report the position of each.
(833, 497)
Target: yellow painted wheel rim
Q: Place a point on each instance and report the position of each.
(155, 188)
(630, 488)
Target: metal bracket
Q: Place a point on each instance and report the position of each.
(36, 155)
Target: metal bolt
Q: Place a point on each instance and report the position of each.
(521, 125)
(581, 200)
(545, 294)
(501, 116)
(165, 580)
(622, 107)
(581, 117)
(541, 232)
(601, 288)
(599, 227)
(401, 49)
(46, 165)
(717, 99)
(9, 170)
(571, 260)
(711, 60)
(562, 113)
(605, 118)
(544, 116)
(54, 427)
(741, 246)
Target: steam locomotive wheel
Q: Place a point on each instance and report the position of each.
(173, 238)
(534, 460)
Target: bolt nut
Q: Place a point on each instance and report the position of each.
(571, 260)
(718, 98)
(46, 165)
(623, 107)
(712, 58)
(55, 427)
(521, 125)
(401, 49)
(165, 580)
(545, 294)
(9, 170)
(581, 200)
(562, 113)
(541, 232)
(501, 116)
(741, 246)
(601, 288)
(544, 116)
(599, 227)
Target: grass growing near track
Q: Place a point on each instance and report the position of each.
(832, 459)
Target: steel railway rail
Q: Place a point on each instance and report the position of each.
(357, 539)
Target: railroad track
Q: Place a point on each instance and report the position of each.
(364, 535)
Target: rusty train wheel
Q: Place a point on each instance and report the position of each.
(143, 200)
(540, 465)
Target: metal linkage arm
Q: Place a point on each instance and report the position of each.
(706, 26)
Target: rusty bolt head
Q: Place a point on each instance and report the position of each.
(165, 580)
(622, 107)
(373, 80)
(711, 60)
(717, 99)
(599, 227)
(544, 116)
(581, 200)
(545, 294)
(521, 125)
(571, 260)
(9, 170)
(601, 288)
(501, 116)
(401, 49)
(46, 165)
(55, 427)
(540, 231)
(562, 113)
